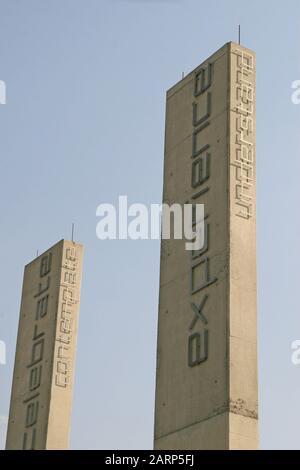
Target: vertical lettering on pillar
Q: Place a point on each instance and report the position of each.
(36, 364)
(200, 270)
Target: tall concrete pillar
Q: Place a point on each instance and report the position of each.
(206, 382)
(41, 398)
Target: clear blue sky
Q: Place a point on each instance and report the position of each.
(83, 123)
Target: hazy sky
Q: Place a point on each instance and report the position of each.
(84, 123)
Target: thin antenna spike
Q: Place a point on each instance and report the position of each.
(182, 75)
(73, 225)
(37, 253)
(239, 34)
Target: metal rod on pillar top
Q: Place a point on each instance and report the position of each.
(239, 34)
(73, 232)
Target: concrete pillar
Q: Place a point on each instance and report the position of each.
(41, 398)
(206, 386)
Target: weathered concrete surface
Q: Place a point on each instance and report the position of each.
(211, 402)
(41, 398)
